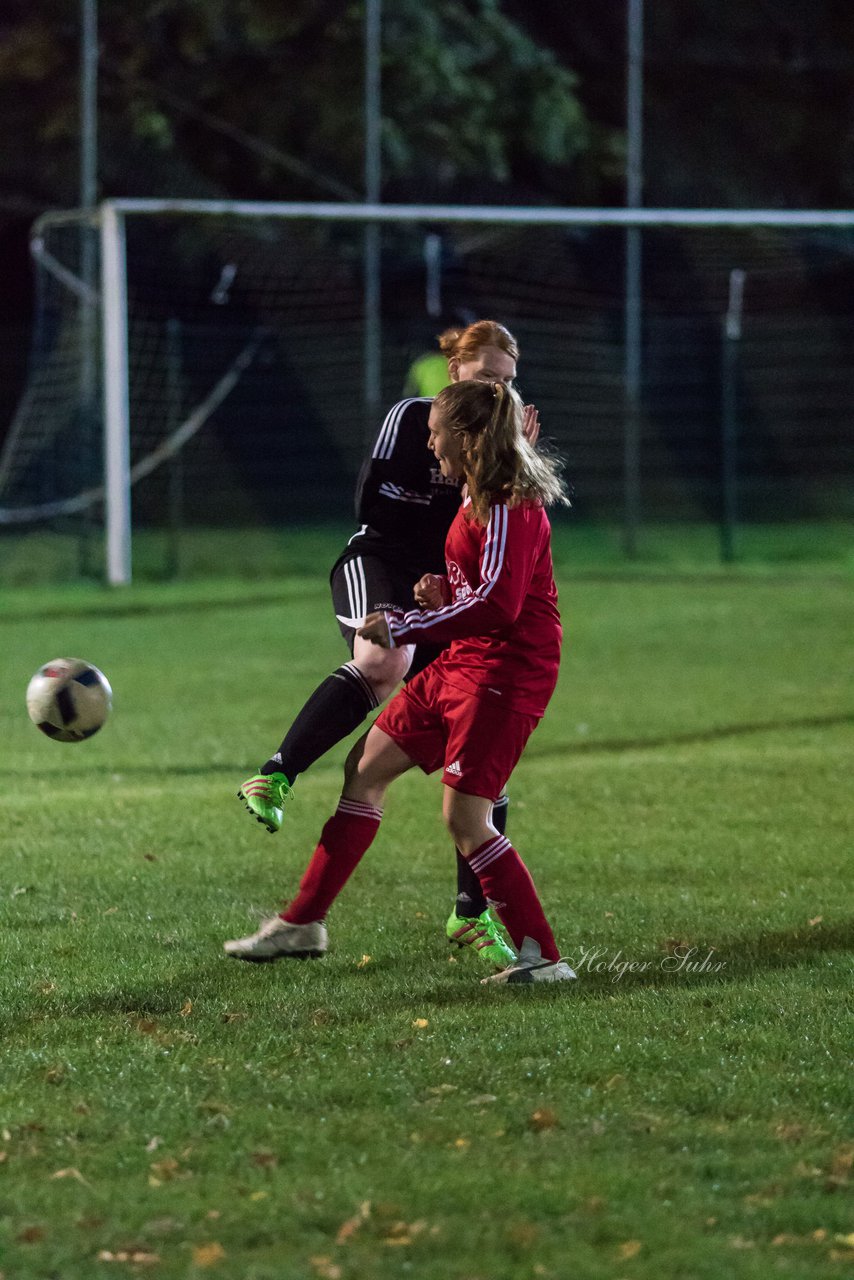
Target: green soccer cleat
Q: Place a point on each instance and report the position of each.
(484, 935)
(264, 797)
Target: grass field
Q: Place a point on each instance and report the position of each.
(682, 1111)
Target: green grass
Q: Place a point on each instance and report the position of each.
(388, 1116)
(255, 555)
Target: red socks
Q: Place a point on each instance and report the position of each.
(349, 833)
(508, 886)
(345, 838)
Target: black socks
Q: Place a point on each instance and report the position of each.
(336, 708)
(471, 901)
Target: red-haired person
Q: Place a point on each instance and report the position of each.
(405, 504)
(471, 711)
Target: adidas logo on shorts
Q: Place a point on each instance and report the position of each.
(454, 769)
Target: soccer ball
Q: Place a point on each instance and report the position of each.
(69, 699)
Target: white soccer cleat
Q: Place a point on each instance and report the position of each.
(531, 967)
(278, 938)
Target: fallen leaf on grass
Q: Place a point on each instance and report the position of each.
(815, 920)
(264, 1159)
(629, 1249)
(213, 1107)
(163, 1171)
(761, 1199)
(349, 1228)
(326, 1268)
(365, 960)
(31, 1235)
(543, 1118)
(848, 1240)
(403, 1233)
(153, 1143)
(481, 1099)
(789, 1132)
(111, 911)
(421, 1023)
(233, 1017)
(840, 1168)
(162, 1227)
(70, 1173)
(523, 1235)
(207, 1255)
(138, 1256)
(186, 1008)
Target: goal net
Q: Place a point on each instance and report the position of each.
(256, 373)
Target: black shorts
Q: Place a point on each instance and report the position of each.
(363, 584)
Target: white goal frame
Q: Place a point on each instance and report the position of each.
(110, 218)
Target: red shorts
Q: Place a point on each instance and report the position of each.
(475, 741)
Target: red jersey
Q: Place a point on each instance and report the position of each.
(502, 624)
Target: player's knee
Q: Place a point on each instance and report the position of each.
(351, 764)
(462, 832)
(384, 669)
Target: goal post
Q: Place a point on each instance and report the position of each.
(117, 487)
(297, 325)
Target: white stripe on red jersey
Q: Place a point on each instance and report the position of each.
(502, 623)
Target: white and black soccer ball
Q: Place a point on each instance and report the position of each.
(69, 699)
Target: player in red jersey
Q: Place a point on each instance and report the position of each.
(405, 506)
(472, 710)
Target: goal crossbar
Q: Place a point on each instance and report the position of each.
(110, 217)
(558, 216)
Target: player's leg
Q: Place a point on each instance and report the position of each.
(471, 925)
(501, 872)
(483, 745)
(372, 765)
(471, 922)
(342, 701)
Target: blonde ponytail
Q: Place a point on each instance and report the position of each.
(498, 461)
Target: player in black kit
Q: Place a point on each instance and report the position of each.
(405, 507)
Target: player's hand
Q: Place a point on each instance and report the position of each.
(432, 591)
(531, 424)
(376, 629)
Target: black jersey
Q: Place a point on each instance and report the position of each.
(403, 502)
